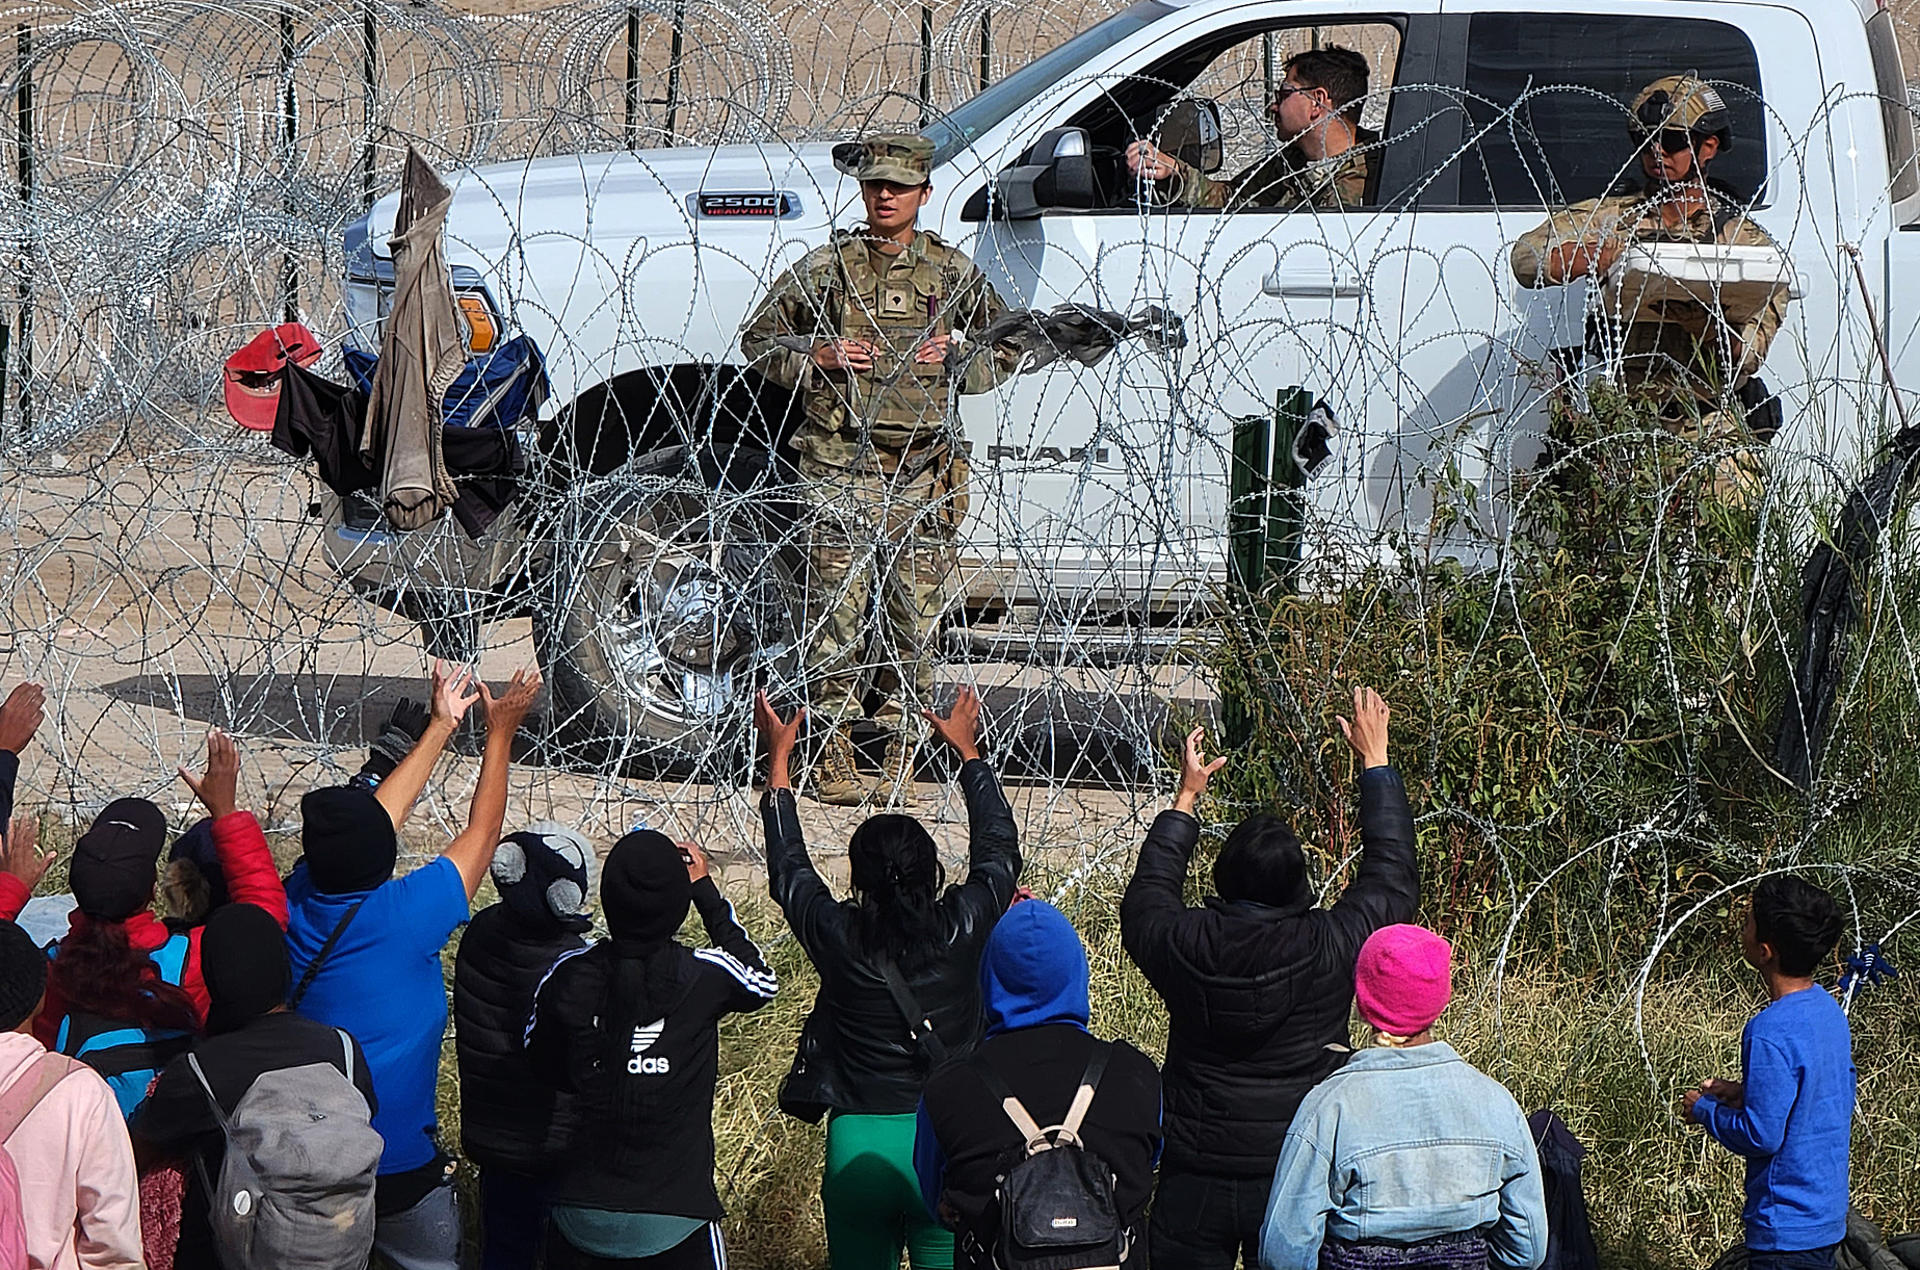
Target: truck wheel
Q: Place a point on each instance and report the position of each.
(670, 604)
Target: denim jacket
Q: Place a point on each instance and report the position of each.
(1404, 1145)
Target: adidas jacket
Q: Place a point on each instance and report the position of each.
(644, 1072)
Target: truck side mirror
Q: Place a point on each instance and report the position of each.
(1056, 171)
(1190, 131)
(846, 157)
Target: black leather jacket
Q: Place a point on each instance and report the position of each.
(866, 1061)
(1257, 996)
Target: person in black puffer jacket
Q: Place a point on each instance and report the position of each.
(514, 1128)
(861, 1059)
(1258, 984)
(632, 1025)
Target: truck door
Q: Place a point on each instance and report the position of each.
(1538, 119)
(1111, 483)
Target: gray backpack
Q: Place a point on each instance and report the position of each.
(295, 1190)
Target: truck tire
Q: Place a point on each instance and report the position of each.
(672, 600)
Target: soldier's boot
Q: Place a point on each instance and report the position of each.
(896, 769)
(836, 779)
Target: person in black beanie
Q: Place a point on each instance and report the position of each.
(250, 1032)
(364, 947)
(511, 1125)
(631, 1025)
(1258, 984)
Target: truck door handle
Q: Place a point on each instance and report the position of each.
(1316, 284)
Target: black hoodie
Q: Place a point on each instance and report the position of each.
(1257, 996)
(645, 1080)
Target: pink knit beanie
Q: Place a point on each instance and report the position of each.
(1403, 979)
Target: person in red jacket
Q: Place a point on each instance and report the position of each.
(115, 868)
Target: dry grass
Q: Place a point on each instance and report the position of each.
(1662, 1196)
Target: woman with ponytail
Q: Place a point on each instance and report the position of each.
(899, 965)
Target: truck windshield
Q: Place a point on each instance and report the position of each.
(961, 126)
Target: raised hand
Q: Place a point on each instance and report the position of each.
(696, 859)
(508, 710)
(780, 735)
(23, 857)
(452, 693)
(960, 727)
(218, 789)
(1366, 732)
(21, 716)
(1195, 772)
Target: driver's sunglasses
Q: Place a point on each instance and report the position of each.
(1670, 140)
(1283, 91)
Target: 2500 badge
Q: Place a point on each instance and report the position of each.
(768, 204)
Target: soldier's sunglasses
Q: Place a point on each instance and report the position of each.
(1670, 140)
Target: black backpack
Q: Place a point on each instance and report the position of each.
(1057, 1209)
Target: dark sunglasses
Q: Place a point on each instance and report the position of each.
(1670, 140)
(1283, 91)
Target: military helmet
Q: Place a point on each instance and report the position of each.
(904, 158)
(1682, 102)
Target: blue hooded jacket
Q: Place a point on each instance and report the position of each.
(1033, 970)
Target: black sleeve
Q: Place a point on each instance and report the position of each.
(561, 1037)
(9, 773)
(175, 1114)
(1386, 887)
(797, 887)
(734, 958)
(1154, 904)
(993, 842)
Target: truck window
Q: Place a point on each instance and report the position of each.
(1551, 91)
(1896, 107)
(1235, 69)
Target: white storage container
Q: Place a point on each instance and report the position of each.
(1738, 281)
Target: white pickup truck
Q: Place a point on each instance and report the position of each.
(652, 543)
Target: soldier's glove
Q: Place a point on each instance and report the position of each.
(404, 727)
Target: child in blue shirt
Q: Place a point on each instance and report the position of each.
(1790, 1115)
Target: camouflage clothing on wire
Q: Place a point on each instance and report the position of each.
(1283, 182)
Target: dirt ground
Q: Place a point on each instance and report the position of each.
(159, 594)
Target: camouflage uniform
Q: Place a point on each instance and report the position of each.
(1681, 358)
(879, 452)
(1283, 182)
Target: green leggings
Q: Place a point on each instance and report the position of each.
(873, 1200)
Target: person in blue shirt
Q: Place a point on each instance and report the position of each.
(1791, 1113)
(364, 950)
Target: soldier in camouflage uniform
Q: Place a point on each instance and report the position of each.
(1324, 165)
(1690, 360)
(871, 331)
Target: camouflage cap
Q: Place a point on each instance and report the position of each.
(904, 158)
(1682, 101)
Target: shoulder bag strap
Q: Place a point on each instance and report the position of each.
(26, 1093)
(919, 1025)
(320, 958)
(1089, 1085)
(346, 1049)
(1030, 1130)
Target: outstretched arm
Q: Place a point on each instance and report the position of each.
(245, 859)
(993, 840)
(1386, 886)
(473, 850)
(451, 699)
(22, 865)
(751, 982)
(796, 885)
(1154, 905)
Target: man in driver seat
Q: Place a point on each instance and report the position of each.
(870, 331)
(1324, 161)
